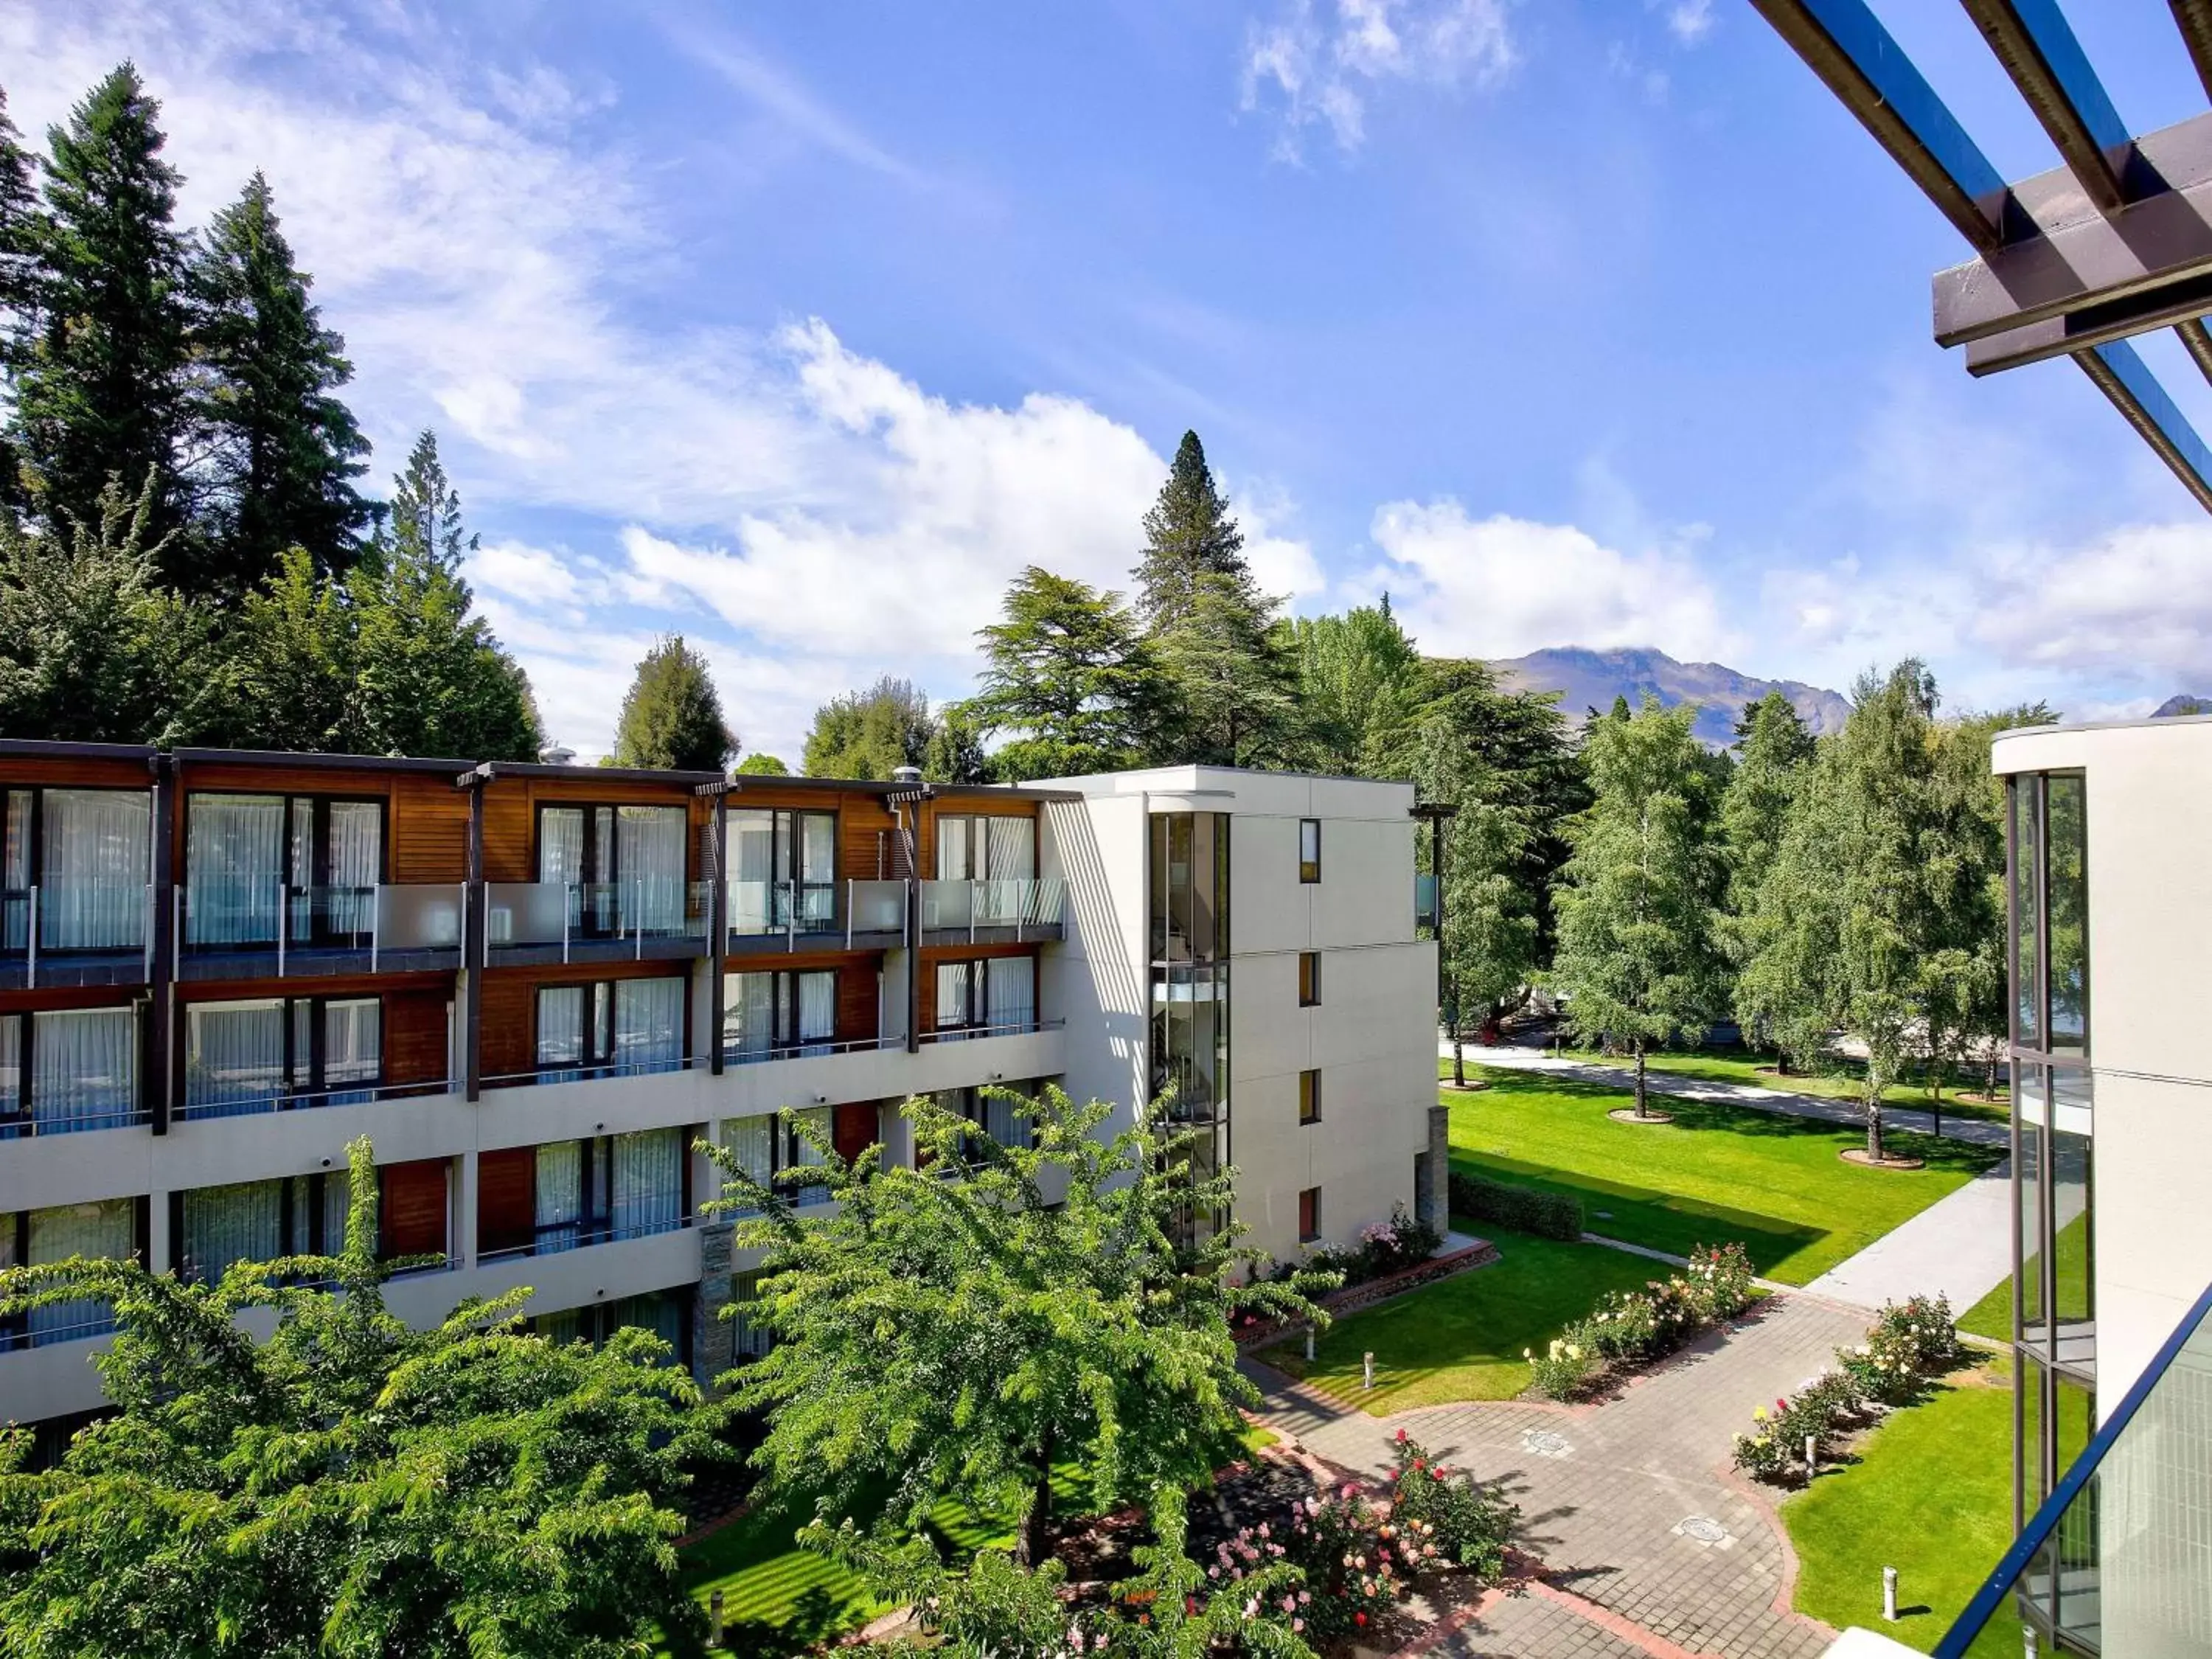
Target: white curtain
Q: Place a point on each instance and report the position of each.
(561, 844)
(16, 871)
(560, 1030)
(818, 1011)
(804, 1154)
(353, 1048)
(84, 1068)
(650, 855)
(1006, 1121)
(648, 1182)
(751, 1340)
(1012, 849)
(817, 869)
(648, 1025)
(240, 1223)
(748, 1015)
(233, 866)
(1011, 993)
(101, 1229)
(560, 1195)
(92, 869)
(751, 1141)
(234, 1057)
(660, 1312)
(750, 859)
(953, 863)
(356, 865)
(11, 1069)
(338, 1206)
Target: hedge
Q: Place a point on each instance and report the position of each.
(1524, 1209)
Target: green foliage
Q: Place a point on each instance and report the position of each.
(1524, 1209)
(348, 1485)
(1188, 535)
(1070, 674)
(99, 385)
(283, 449)
(1772, 747)
(868, 734)
(761, 766)
(1359, 684)
(1909, 1344)
(671, 717)
(1564, 1369)
(954, 753)
(1638, 956)
(959, 1328)
(1437, 1515)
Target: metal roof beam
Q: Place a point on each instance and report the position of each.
(2124, 377)
(2032, 40)
(1843, 44)
(2194, 18)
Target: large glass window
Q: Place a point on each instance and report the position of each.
(992, 995)
(783, 871)
(242, 1222)
(87, 853)
(2068, 888)
(783, 1013)
(251, 860)
(624, 866)
(610, 1027)
(109, 1229)
(2027, 913)
(1187, 901)
(273, 1052)
(973, 847)
(68, 1070)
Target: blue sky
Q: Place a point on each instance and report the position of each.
(800, 328)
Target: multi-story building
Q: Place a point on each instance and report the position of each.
(534, 988)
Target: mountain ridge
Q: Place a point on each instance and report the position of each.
(1588, 678)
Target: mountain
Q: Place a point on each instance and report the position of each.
(1592, 679)
(2182, 703)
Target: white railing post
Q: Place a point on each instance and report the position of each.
(31, 944)
(567, 888)
(375, 923)
(972, 885)
(283, 921)
(637, 920)
(177, 918)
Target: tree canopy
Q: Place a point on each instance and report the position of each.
(1070, 677)
(671, 716)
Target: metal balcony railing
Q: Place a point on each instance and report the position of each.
(234, 918)
(570, 914)
(207, 1095)
(971, 906)
(2118, 1559)
(70, 918)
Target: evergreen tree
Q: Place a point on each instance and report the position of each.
(954, 753)
(101, 388)
(284, 450)
(867, 734)
(1187, 534)
(1637, 960)
(1235, 689)
(19, 277)
(430, 678)
(672, 718)
(1773, 746)
(1359, 679)
(291, 662)
(1070, 674)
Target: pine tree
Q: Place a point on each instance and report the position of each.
(283, 449)
(1187, 534)
(100, 391)
(1069, 674)
(1773, 745)
(430, 677)
(19, 276)
(671, 718)
(1235, 685)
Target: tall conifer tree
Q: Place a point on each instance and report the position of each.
(284, 450)
(672, 715)
(1187, 534)
(19, 269)
(100, 389)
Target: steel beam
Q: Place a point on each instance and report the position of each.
(2194, 18)
(2057, 336)
(2031, 39)
(2124, 377)
(2199, 343)
(1843, 44)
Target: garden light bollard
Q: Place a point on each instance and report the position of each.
(1367, 1369)
(714, 1620)
(1309, 1345)
(1812, 1455)
(1889, 1593)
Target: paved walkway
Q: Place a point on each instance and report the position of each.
(1625, 1502)
(1961, 1245)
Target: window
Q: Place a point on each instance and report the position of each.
(1310, 1215)
(616, 1028)
(210, 1228)
(986, 848)
(274, 1052)
(782, 871)
(68, 1070)
(1308, 850)
(753, 1142)
(564, 1194)
(1002, 1112)
(625, 865)
(1309, 979)
(87, 852)
(767, 1016)
(313, 861)
(1309, 1097)
(748, 1341)
(996, 994)
(113, 1228)
(665, 1313)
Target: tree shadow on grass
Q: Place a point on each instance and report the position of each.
(817, 1618)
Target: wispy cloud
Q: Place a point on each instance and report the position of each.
(1688, 20)
(1320, 63)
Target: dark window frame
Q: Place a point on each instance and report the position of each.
(1309, 1217)
(21, 1119)
(1309, 979)
(1310, 1096)
(320, 933)
(597, 1062)
(1308, 868)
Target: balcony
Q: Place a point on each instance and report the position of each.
(785, 916)
(991, 912)
(213, 1096)
(249, 931)
(544, 922)
(1425, 913)
(75, 933)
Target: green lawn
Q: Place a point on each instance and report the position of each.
(1742, 1065)
(1930, 1496)
(1992, 1316)
(1717, 1173)
(1462, 1338)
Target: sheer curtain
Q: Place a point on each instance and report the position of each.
(750, 859)
(233, 866)
(748, 1015)
(234, 1057)
(751, 1141)
(818, 1012)
(356, 852)
(560, 1031)
(353, 1048)
(92, 869)
(952, 863)
(1010, 861)
(1006, 1120)
(648, 1182)
(561, 844)
(560, 1195)
(650, 855)
(16, 870)
(1011, 999)
(648, 1025)
(750, 1340)
(240, 1223)
(106, 1228)
(951, 999)
(804, 1154)
(11, 1071)
(338, 1207)
(84, 1068)
(817, 867)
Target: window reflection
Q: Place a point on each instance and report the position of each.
(2067, 878)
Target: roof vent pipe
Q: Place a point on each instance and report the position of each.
(906, 774)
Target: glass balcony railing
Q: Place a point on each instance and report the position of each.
(760, 908)
(222, 918)
(61, 917)
(568, 913)
(970, 906)
(1425, 899)
(2118, 1559)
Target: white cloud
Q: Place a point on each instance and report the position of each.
(1500, 586)
(1319, 64)
(1689, 20)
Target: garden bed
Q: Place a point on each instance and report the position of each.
(1476, 1253)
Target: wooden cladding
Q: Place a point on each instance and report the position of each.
(506, 1199)
(854, 1127)
(414, 1201)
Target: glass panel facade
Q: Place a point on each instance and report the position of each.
(2026, 914)
(1186, 903)
(2067, 900)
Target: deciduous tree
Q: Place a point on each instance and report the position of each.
(867, 734)
(1358, 687)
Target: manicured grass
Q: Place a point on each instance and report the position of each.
(1931, 1495)
(1742, 1065)
(1717, 1173)
(1992, 1316)
(1462, 1338)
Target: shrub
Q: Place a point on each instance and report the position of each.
(1626, 1325)
(1775, 1447)
(1763, 1455)
(1524, 1209)
(1563, 1369)
(1388, 1247)
(1909, 1344)
(1354, 1573)
(1446, 1516)
(1719, 1281)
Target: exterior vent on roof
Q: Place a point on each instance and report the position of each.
(554, 755)
(906, 774)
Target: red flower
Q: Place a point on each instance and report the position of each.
(1358, 1617)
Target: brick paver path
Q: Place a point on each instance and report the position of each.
(1625, 1502)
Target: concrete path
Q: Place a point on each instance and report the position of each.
(1960, 1246)
(1627, 1503)
(1513, 1057)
